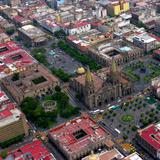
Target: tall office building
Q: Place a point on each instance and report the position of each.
(12, 121)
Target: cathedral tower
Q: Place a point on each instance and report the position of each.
(89, 83)
(114, 72)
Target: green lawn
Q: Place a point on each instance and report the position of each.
(127, 118)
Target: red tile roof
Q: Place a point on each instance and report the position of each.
(65, 134)
(12, 54)
(151, 134)
(156, 37)
(157, 51)
(77, 24)
(35, 150)
(5, 113)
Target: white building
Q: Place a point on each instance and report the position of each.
(145, 41)
(76, 28)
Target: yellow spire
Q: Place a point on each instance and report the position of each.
(58, 18)
(113, 66)
(89, 77)
(93, 156)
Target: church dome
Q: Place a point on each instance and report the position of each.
(93, 157)
(80, 70)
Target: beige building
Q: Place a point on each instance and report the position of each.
(12, 120)
(97, 92)
(4, 38)
(12, 125)
(120, 50)
(78, 137)
(31, 83)
(32, 35)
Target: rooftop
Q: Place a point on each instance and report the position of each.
(107, 155)
(78, 134)
(34, 150)
(98, 82)
(32, 31)
(9, 114)
(30, 81)
(13, 58)
(145, 38)
(77, 24)
(133, 156)
(151, 134)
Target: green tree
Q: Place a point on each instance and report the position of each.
(3, 154)
(134, 128)
(65, 77)
(15, 77)
(57, 88)
(79, 96)
(10, 31)
(84, 59)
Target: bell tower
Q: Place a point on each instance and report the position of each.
(89, 83)
(114, 72)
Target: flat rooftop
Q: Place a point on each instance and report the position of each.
(151, 134)
(13, 59)
(32, 31)
(8, 111)
(9, 114)
(107, 155)
(145, 38)
(78, 134)
(34, 150)
(3, 98)
(133, 156)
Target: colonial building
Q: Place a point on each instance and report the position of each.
(32, 35)
(120, 50)
(97, 92)
(78, 137)
(30, 83)
(148, 138)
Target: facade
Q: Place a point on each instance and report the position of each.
(4, 37)
(78, 137)
(155, 86)
(157, 27)
(97, 92)
(148, 138)
(12, 120)
(20, 21)
(32, 35)
(77, 28)
(35, 82)
(14, 59)
(106, 155)
(4, 24)
(14, 3)
(145, 42)
(122, 51)
(116, 7)
(133, 156)
(86, 40)
(34, 150)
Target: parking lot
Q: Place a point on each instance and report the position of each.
(59, 59)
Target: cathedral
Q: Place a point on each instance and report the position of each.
(97, 92)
